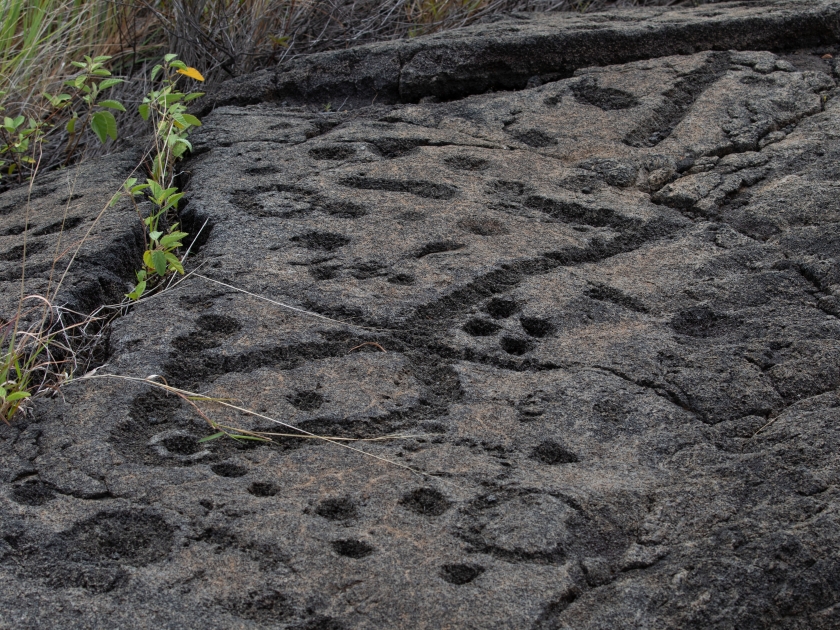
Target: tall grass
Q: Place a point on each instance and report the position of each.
(39, 39)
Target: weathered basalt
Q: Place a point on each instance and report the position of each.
(531, 50)
(601, 311)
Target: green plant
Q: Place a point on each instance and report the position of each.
(15, 377)
(21, 137)
(21, 351)
(167, 109)
(88, 86)
(18, 141)
(39, 38)
(159, 257)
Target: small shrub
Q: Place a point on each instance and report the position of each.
(166, 108)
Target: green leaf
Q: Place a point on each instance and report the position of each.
(155, 71)
(169, 99)
(17, 396)
(112, 104)
(109, 83)
(104, 126)
(169, 57)
(174, 263)
(193, 96)
(155, 189)
(215, 436)
(195, 122)
(180, 65)
(144, 111)
(159, 262)
(56, 100)
(138, 291)
(172, 203)
(168, 192)
(71, 125)
(186, 120)
(100, 128)
(2, 393)
(173, 239)
(180, 147)
(101, 72)
(237, 436)
(78, 64)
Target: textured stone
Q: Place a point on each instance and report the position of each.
(59, 216)
(599, 312)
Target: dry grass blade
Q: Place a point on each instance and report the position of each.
(193, 397)
(287, 306)
(42, 346)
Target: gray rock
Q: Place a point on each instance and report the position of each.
(59, 221)
(588, 330)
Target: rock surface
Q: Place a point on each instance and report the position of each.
(534, 48)
(604, 309)
(57, 222)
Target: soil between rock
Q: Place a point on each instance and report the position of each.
(608, 306)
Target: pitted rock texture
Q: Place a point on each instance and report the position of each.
(604, 310)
